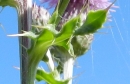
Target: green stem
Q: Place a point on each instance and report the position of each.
(67, 63)
(50, 61)
(68, 68)
(50, 64)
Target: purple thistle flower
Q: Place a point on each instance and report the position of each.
(75, 6)
(94, 4)
(40, 15)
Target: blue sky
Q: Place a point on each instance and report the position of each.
(107, 62)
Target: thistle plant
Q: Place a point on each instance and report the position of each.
(57, 39)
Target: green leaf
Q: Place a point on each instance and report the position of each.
(63, 38)
(48, 77)
(67, 30)
(46, 36)
(43, 41)
(38, 50)
(54, 17)
(11, 3)
(94, 21)
(62, 5)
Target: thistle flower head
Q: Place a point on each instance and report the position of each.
(99, 4)
(75, 6)
(40, 15)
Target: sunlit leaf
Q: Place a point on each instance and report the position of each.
(62, 5)
(67, 30)
(94, 21)
(48, 77)
(44, 40)
(54, 17)
(38, 50)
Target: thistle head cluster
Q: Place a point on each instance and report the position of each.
(40, 16)
(67, 32)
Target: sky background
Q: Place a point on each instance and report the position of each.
(107, 62)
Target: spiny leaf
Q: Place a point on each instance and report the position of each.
(62, 5)
(38, 50)
(67, 29)
(55, 14)
(94, 21)
(48, 77)
(54, 17)
(64, 37)
(45, 39)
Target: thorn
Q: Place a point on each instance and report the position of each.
(110, 5)
(37, 26)
(13, 35)
(3, 28)
(16, 67)
(1, 9)
(101, 32)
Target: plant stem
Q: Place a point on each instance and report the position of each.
(68, 68)
(24, 23)
(50, 62)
